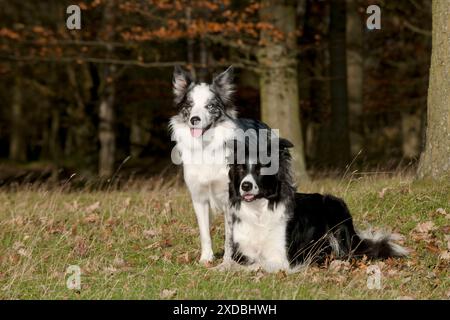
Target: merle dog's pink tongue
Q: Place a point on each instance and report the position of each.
(196, 132)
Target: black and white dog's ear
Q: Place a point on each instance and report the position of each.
(285, 144)
(181, 81)
(223, 84)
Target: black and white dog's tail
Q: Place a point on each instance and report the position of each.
(378, 245)
(347, 241)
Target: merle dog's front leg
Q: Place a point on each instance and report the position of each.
(228, 247)
(228, 263)
(201, 209)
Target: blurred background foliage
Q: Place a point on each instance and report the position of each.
(83, 101)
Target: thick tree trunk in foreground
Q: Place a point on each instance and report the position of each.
(435, 160)
(355, 73)
(17, 145)
(279, 81)
(339, 133)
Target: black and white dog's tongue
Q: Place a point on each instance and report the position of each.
(249, 197)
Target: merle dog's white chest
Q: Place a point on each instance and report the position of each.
(204, 163)
(260, 234)
(208, 183)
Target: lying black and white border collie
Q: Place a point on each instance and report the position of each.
(275, 228)
(206, 120)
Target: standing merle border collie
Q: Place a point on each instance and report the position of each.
(205, 122)
(275, 228)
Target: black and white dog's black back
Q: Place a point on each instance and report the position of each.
(276, 228)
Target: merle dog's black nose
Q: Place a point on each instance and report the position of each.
(247, 186)
(194, 120)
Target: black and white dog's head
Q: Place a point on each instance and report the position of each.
(249, 183)
(202, 105)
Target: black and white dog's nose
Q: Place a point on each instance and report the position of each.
(194, 120)
(246, 186)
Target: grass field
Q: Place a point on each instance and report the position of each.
(142, 243)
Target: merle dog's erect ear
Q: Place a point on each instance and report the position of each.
(181, 82)
(285, 144)
(223, 84)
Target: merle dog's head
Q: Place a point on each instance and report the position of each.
(201, 105)
(248, 181)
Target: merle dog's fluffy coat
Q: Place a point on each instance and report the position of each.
(205, 121)
(278, 229)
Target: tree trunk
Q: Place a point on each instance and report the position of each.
(54, 146)
(106, 133)
(203, 70)
(279, 80)
(355, 72)
(411, 126)
(139, 134)
(435, 160)
(17, 145)
(190, 44)
(339, 133)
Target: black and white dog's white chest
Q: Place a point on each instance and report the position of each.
(259, 235)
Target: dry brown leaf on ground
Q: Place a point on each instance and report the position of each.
(93, 207)
(91, 218)
(81, 246)
(167, 256)
(445, 255)
(423, 231)
(24, 252)
(431, 247)
(150, 233)
(119, 262)
(168, 293)
(110, 270)
(184, 258)
(445, 229)
(382, 193)
(258, 275)
(443, 212)
(425, 227)
(339, 265)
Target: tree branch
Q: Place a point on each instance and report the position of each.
(135, 63)
(417, 29)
